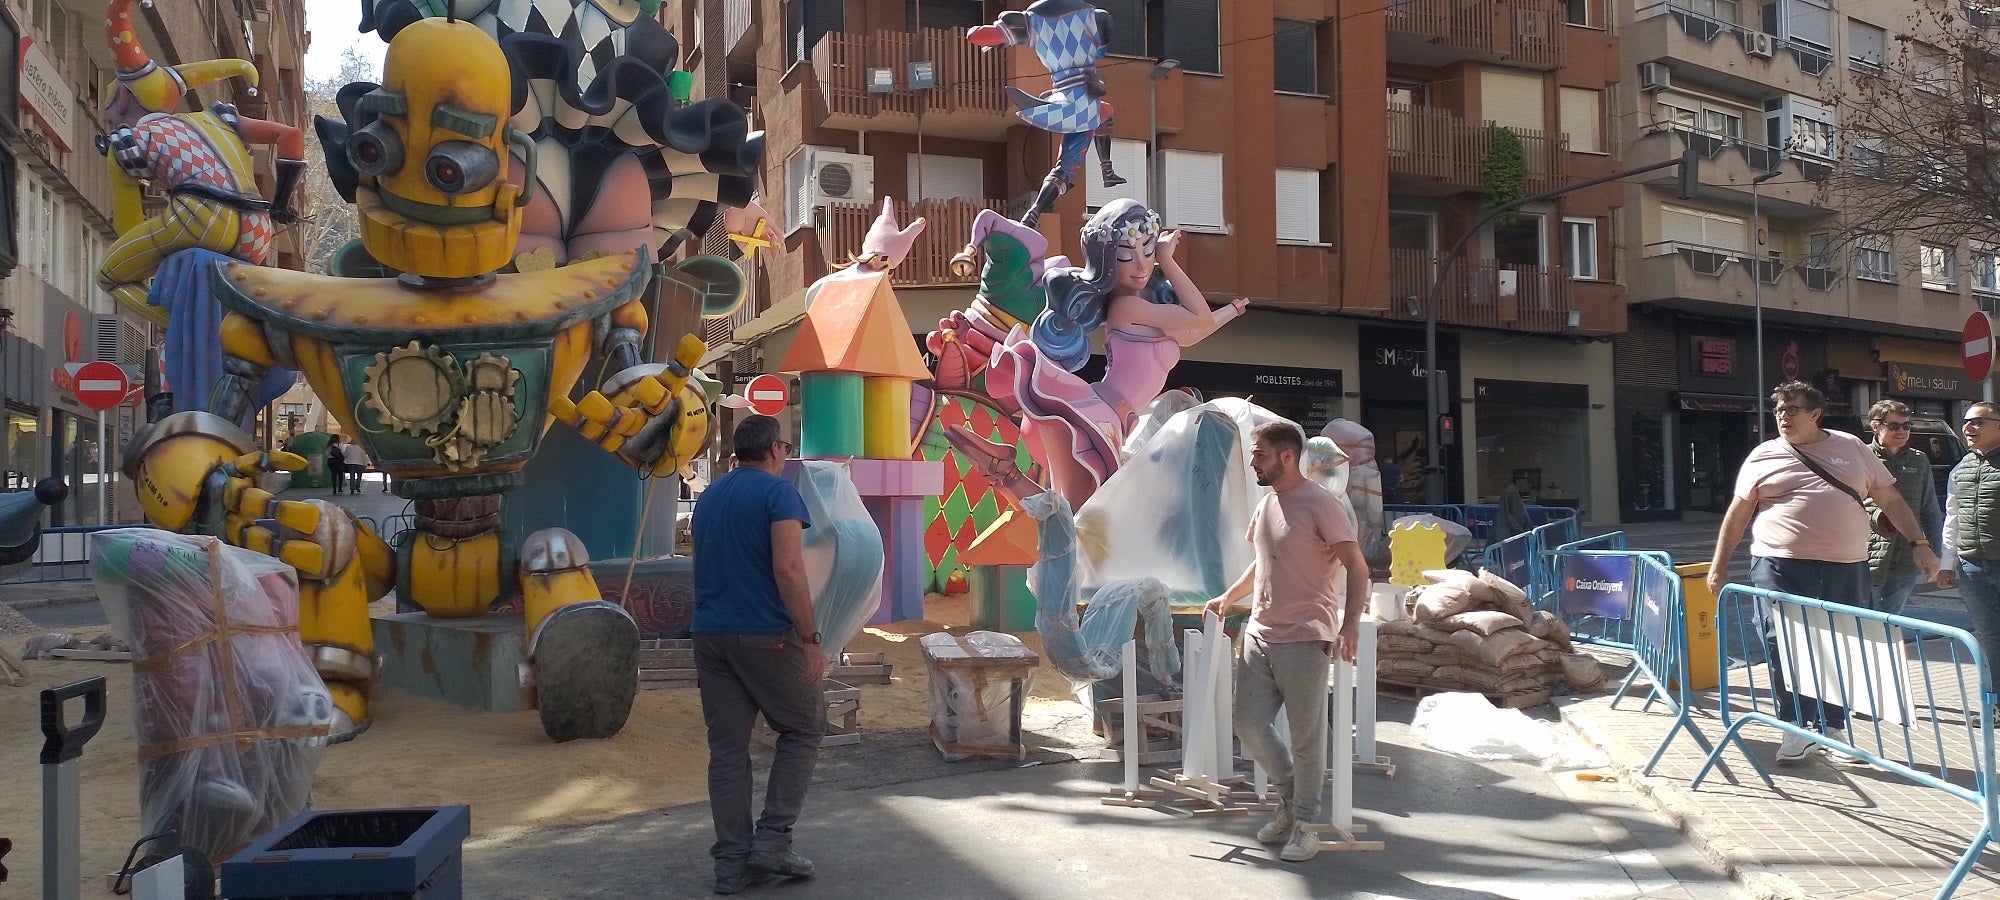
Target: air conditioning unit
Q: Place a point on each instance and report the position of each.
(1655, 76)
(835, 177)
(1757, 43)
(107, 339)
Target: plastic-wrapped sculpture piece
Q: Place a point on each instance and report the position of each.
(449, 374)
(1069, 37)
(231, 719)
(1364, 487)
(843, 554)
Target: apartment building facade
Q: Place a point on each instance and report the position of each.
(1757, 88)
(61, 203)
(1320, 154)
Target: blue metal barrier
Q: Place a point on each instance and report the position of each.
(1653, 628)
(1918, 695)
(64, 555)
(1514, 559)
(1614, 632)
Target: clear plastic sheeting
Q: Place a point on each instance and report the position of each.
(978, 685)
(1364, 487)
(1083, 646)
(1469, 725)
(843, 555)
(230, 717)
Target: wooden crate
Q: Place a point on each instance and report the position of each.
(862, 668)
(955, 659)
(843, 711)
(666, 663)
(1161, 719)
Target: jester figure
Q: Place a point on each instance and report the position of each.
(200, 159)
(1069, 36)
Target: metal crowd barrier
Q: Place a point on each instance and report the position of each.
(1639, 608)
(64, 555)
(1919, 695)
(1616, 631)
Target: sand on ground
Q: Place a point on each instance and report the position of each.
(422, 752)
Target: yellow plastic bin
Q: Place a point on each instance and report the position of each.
(1703, 672)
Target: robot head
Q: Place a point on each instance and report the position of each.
(144, 86)
(430, 146)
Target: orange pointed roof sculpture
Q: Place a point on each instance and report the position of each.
(1009, 541)
(855, 325)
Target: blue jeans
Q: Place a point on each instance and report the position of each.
(1844, 583)
(1979, 587)
(1895, 593)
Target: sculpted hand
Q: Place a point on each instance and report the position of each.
(1164, 249)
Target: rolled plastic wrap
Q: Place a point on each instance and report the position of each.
(231, 719)
(843, 555)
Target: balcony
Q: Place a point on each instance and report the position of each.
(929, 262)
(1525, 33)
(1729, 164)
(1719, 276)
(1541, 301)
(967, 102)
(1710, 52)
(1446, 154)
(739, 34)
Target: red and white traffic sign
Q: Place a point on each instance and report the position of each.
(1978, 338)
(101, 385)
(767, 395)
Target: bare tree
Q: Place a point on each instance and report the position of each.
(328, 222)
(1921, 129)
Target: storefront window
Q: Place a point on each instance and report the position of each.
(1652, 461)
(1543, 452)
(24, 464)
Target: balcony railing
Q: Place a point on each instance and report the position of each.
(1435, 144)
(1707, 21)
(929, 262)
(1526, 31)
(1714, 261)
(1541, 300)
(968, 79)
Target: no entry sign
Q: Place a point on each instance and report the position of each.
(1978, 337)
(101, 385)
(767, 395)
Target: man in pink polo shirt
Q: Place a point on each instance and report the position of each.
(1302, 537)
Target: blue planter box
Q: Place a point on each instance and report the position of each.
(343, 853)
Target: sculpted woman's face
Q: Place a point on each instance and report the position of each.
(1135, 266)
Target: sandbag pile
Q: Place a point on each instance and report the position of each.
(1478, 633)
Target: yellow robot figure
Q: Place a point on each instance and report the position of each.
(200, 159)
(449, 375)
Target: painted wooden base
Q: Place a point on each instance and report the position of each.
(862, 668)
(1343, 838)
(1382, 766)
(468, 662)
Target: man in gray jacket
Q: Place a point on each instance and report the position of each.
(1972, 527)
(1892, 560)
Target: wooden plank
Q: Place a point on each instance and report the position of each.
(103, 655)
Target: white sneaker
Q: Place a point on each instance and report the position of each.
(1795, 748)
(1303, 846)
(1838, 755)
(1281, 825)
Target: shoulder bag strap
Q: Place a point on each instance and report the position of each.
(1816, 470)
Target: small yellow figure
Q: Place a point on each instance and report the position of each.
(448, 375)
(1414, 549)
(201, 159)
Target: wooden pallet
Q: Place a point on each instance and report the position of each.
(843, 709)
(666, 663)
(862, 668)
(1161, 719)
(1413, 692)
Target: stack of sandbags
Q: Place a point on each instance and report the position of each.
(1478, 633)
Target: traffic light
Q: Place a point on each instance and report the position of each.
(1447, 431)
(1689, 184)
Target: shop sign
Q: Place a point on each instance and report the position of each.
(1715, 357)
(1909, 380)
(1596, 586)
(1717, 403)
(45, 94)
(1531, 393)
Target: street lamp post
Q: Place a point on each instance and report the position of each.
(1757, 292)
(1159, 72)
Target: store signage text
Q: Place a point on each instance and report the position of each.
(1715, 356)
(46, 95)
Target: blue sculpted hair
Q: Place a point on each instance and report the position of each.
(1079, 297)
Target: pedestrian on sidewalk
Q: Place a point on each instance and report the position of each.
(1892, 559)
(756, 651)
(336, 463)
(1972, 527)
(357, 463)
(1804, 489)
(1303, 539)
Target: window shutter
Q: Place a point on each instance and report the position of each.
(1192, 33)
(796, 184)
(1194, 185)
(1128, 26)
(1866, 43)
(1293, 48)
(1298, 206)
(1809, 22)
(1512, 98)
(1129, 158)
(1705, 229)
(947, 178)
(1582, 116)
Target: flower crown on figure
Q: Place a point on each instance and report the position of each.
(1131, 232)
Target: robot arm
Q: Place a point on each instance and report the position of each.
(646, 413)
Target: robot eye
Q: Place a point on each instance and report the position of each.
(458, 167)
(375, 150)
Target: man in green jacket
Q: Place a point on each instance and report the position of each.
(1972, 527)
(1892, 561)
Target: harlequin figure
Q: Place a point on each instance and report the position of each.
(448, 375)
(1069, 37)
(200, 159)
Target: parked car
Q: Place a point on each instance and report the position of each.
(1934, 436)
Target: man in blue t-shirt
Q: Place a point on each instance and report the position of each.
(756, 651)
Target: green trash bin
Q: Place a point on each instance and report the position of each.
(312, 446)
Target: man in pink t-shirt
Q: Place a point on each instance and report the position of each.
(1302, 536)
(1811, 536)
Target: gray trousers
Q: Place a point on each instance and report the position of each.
(1293, 676)
(740, 676)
